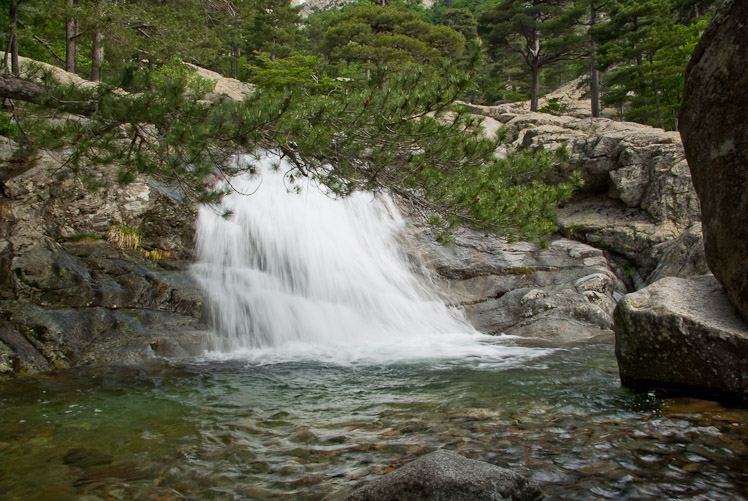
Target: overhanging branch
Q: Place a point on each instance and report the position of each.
(12, 87)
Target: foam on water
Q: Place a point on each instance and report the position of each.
(307, 277)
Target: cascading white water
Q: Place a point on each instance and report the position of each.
(308, 275)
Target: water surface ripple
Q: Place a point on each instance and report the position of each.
(311, 430)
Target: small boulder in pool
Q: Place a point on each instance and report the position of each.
(447, 476)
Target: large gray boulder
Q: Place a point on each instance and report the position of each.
(447, 476)
(715, 135)
(682, 334)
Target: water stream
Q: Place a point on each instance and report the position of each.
(306, 276)
(333, 363)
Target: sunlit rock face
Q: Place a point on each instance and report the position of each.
(715, 135)
(637, 195)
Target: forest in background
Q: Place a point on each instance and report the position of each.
(360, 97)
(631, 53)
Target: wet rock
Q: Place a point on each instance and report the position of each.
(447, 476)
(67, 337)
(682, 334)
(564, 293)
(94, 273)
(18, 353)
(713, 126)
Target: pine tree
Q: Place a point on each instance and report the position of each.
(406, 134)
(71, 44)
(379, 39)
(408, 138)
(460, 20)
(644, 51)
(542, 32)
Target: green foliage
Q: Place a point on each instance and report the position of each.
(476, 7)
(385, 38)
(178, 77)
(8, 127)
(460, 20)
(542, 32)
(297, 71)
(399, 131)
(645, 52)
(555, 106)
(408, 138)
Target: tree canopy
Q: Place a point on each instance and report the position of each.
(402, 131)
(360, 98)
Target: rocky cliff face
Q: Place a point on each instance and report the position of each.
(637, 198)
(71, 298)
(635, 221)
(565, 293)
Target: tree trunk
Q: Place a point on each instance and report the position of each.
(658, 105)
(237, 55)
(535, 89)
(71, 44)
(640, 65)
(97, 56)
(594, 74)
(18, 88)
(13, 39)
(535, 69)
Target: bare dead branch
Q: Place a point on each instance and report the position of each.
(49, 49)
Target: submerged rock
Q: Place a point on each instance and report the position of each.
(682, 334)
(715, 135)
(83, 457)
(447, 476)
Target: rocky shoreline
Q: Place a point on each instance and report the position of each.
(71, 298)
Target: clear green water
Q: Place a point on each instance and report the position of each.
(309, 430)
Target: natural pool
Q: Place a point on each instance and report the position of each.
(235, 429)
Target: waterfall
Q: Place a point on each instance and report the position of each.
(307, 274)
